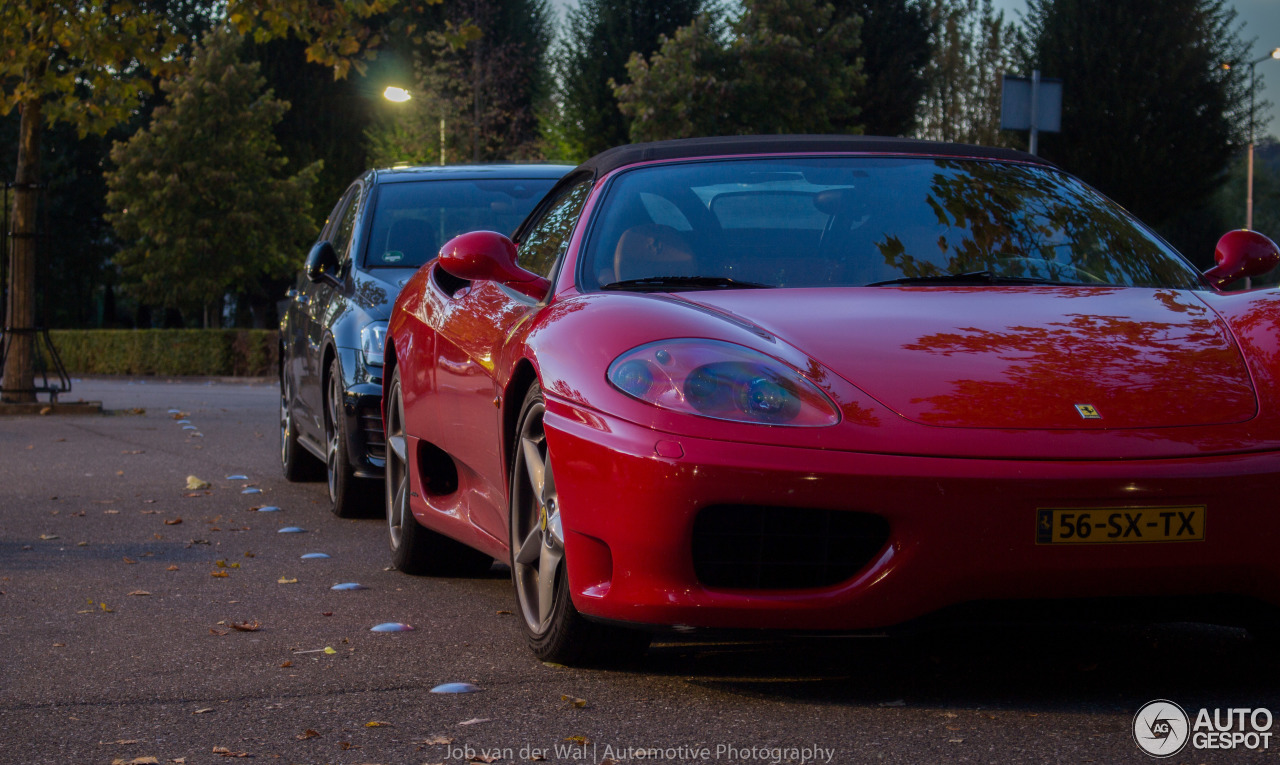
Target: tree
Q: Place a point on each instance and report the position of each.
(88, 63)
(789, 66)
(482, 70)
(200, 196)
(972, 47)
(79, 62)
(895, 52)
(1151, 119)
(602, 35)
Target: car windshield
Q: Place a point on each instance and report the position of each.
(413, 219)
(859, 221)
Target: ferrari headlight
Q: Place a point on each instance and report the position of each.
(711, 378)
(372, 339)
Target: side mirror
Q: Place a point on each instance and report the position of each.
(488, 256)
(1240, 254)
(322, 263)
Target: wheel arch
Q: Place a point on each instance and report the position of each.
(522, 378)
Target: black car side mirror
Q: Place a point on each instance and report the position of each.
(322, 263)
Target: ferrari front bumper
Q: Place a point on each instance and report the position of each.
(959, 530)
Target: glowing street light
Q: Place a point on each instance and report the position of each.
(398, 95)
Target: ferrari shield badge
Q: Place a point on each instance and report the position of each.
(1088, 412)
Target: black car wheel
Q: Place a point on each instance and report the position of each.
(416, 549)
(554, 628)
(297, 463)
(348, 496)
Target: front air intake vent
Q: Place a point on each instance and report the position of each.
(783, 548)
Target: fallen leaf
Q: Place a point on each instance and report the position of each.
(436, 741)
(483, 758)
(119, 472)
(122, 741)
(172, 521)
(225, 752)
(82, 544)
(202, 711)
(250, 554)
(579, 740)
(283, 580)
(46, 410)
(347, 745)
(219, 633)
(110, 512)
(59, 645)
(140, 592)
(378, 724)
(955, 741)
(287, 664)
(219, 573)
(137, 761)
(253, 626)
(196, 484)
(575, 703)
(104, 608)
(504, 613)
(306, 734)
(476, 720)
(329, 650)
(172, 568)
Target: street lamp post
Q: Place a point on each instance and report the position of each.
(1248, 199)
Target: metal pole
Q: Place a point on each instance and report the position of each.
(1248, 198)
(1035, 107)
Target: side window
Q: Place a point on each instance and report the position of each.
(547, 240)
(340, 238)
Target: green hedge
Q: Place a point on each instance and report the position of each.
(208, 352)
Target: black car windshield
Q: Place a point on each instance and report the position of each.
(860, 221)
(412, 219)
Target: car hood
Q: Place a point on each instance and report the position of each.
(375, 290)
(1015, 357)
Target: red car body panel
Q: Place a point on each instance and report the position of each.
(958, 423)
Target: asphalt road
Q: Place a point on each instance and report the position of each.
(120, 589)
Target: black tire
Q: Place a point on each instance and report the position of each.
(553, 627)
(416, 549)
(297, 463)
(349, 497)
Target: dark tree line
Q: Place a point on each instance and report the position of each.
(1150, 116)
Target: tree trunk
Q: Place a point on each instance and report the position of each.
(19, 368)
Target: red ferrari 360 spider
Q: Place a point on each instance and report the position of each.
(832, 383)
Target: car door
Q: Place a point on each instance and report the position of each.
(477, 322)
(318, 298)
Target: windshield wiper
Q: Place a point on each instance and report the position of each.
(671, 283)
(968, 277)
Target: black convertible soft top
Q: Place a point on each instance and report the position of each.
(621, 156)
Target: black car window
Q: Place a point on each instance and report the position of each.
(412, 219)
(548, 237)
(340, 238)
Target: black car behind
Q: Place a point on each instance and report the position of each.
(386, 225)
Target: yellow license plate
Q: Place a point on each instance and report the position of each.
(1125, 525)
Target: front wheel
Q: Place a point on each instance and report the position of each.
(348, 495)
(554, 628)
